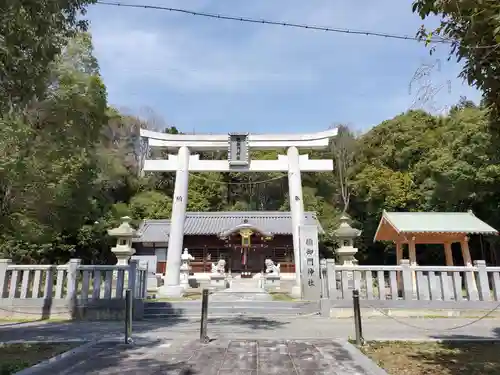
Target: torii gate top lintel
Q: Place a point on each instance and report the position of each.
(205, 142)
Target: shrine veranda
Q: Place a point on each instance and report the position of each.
(304, 234)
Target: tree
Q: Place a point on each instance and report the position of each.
(472, 28)
(48, 167)
(343, 150)
(150, 205)
(419, 162)
(32, 34)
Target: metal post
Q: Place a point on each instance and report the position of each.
(128, 316)
(204, 316)
(357, 317)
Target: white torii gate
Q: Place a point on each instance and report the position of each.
(238, 146)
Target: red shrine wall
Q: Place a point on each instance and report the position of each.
(209, 249)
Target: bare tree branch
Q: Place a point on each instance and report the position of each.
(343, 149)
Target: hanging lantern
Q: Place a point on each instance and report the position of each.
(245, 237)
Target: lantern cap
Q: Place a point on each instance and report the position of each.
(345, 230)
(124, 229)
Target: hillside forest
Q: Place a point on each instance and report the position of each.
(70, 162)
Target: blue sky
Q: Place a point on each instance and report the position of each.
(207, 75)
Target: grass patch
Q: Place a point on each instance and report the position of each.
(281, 296)
(15, 357)
(435, 358)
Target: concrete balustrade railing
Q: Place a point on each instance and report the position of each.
(405, 286)
(71, 290)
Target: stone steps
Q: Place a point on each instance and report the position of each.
(229, 308)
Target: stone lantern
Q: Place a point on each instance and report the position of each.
(346, 235)
(124, 234)
(186, 259)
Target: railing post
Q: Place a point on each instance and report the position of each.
(408, 292)
(357, 317)
(204, 316)
(324, 302)
(4, 282)
(144, 276)
(331, 279)
(132, 276)
(484, 285)
(323, 278)
(128, 316)
(71, 281)
(470, 283)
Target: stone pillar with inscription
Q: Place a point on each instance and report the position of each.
(309, 250)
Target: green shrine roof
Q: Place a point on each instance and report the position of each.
(433, 222)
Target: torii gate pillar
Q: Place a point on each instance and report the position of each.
(297, 210)
(238, 146)
(172, 285)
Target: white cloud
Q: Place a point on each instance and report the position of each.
(190, 56)
(184, 61)
(219, 66)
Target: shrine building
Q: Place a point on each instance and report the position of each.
(243, 239)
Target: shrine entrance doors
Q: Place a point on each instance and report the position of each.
(247, 259)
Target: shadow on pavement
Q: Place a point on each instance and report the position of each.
(43, 330)
(253, 322)
(127, 359)
(92, 330)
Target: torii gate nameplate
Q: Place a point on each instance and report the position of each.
(238, 151)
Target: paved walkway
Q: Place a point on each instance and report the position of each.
(241, 345)
(222, 357)
(260, 328)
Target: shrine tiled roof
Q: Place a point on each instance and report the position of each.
(215, 223)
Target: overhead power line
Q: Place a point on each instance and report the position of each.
(275, 23)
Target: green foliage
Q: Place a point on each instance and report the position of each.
(47, 163)
(69, 164)
(150, 205)
(417, 162)
(32, 34)
(473, 26)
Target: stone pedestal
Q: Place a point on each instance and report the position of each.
(272, 281)
(242, 290)
(347, 260)
(193, 282)
(218, 281)
(171, 291)
(296, 292)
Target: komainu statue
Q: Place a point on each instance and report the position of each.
(271, 268)
(219, 267)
